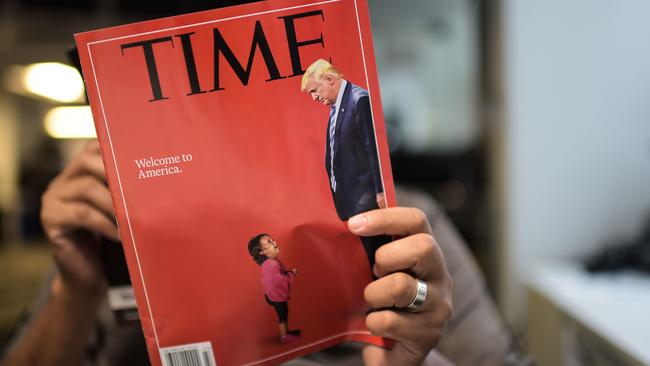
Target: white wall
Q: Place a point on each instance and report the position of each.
(577, 154)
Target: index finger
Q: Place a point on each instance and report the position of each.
(418, 254)
(402, 221)
(87, 161)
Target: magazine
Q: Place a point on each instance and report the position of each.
(237, 142)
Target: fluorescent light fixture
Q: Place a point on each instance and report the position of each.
(52, 80)
(70, 122)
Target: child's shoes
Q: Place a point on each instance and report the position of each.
(289, 338)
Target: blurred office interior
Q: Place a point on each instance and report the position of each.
(528, 121)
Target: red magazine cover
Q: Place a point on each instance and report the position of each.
(237, 142)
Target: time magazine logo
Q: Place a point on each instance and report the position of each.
(221, 48)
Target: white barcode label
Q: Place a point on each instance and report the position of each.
(193, 354)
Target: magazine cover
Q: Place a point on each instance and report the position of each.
(237, 143)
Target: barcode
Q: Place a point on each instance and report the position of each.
(195, 354)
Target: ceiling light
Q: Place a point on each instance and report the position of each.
(70, 122)
(51, 80)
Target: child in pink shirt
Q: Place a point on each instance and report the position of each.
(276, 281)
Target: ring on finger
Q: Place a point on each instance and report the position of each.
(420, 296)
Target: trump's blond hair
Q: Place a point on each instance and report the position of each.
(318, 70)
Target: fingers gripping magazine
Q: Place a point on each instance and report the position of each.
(237, 144)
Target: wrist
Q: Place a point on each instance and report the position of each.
(76, 294)
(434, 358)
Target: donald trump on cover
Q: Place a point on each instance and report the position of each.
(351, 158)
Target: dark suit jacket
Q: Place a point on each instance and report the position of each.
(356, 164)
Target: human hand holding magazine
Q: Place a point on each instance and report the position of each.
(232, 186)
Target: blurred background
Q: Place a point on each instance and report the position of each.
(528, 121)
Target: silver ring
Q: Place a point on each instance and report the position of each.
(420, 296)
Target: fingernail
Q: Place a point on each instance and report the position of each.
(357, 222)
(115, 235)
(375, 271)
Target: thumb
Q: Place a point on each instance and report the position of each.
(399, 355)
